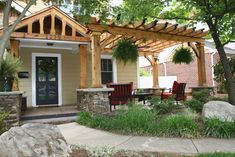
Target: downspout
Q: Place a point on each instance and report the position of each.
(165, 72)
(212, 70)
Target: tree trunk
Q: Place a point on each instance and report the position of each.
(225, 63)
(3, 42)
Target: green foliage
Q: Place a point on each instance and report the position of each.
(143, 72)
(134, 120)
(126, 51)
(178, 126)
(9, 66)
(215, 128)
(220, 75)
(216, 154)
(202, 95)
(140, 121)
(199, 98)
(182, 55)
(194, 104)
(162, 107)
(3, 126)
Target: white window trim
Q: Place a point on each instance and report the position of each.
(114, 62)
(34, 55)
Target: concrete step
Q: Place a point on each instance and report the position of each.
(56, 120)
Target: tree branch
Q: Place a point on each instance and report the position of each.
(6, 13)
(12, 28)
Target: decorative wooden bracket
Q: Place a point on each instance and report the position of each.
(195, 50)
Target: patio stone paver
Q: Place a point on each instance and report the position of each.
(81, 135)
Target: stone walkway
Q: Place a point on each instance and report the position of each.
(81, 135)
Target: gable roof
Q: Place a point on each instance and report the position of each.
(58, 13)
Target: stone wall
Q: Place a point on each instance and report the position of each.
(94, 100)
(10, 102)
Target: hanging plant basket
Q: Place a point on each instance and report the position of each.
(126, 51)
(182, 55)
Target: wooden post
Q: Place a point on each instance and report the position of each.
(63, 27)
(53, 24)
(96, 59)
(73, 32)
(15, 48)
(201, 65)
(83, 67)
(41, 25)
(155, 71)
(15, 52)
(30, 28)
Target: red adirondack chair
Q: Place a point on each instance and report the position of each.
(122, 93)
(172, 91)
(178, 92)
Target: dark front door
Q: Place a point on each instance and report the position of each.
(46, 80)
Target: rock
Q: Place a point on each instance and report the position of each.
(220, 109)
(39, 140)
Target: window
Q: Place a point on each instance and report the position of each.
(106, 71)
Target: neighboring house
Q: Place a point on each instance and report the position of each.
(189, 72)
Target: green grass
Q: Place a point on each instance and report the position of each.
(215, 128)
(217, 155)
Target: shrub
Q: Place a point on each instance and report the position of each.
(194, 105)
(201, 95)
(178, 125)
(3, 126)
(217, 154)
(134, 120)
(216, 128)
(162, 107)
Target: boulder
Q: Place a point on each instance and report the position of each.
(37, 140)
(220, 109)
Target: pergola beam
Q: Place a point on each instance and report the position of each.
(142, 33)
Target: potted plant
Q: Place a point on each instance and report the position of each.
(126, 51)
(182, 55)
(9, 67)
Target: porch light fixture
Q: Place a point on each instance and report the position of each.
(50, 44)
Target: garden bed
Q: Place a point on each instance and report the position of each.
(162, 119)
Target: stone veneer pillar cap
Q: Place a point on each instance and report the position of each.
(95, 90)
(11, 93)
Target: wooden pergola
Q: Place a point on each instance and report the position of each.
(151, 39)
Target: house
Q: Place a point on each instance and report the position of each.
(61, 55)
(188, 72)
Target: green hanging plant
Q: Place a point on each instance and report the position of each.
(182, 55)
(126, 51)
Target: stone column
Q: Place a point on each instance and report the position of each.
(94, 100)
(10, 102)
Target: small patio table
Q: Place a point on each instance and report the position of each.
(142, 96)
